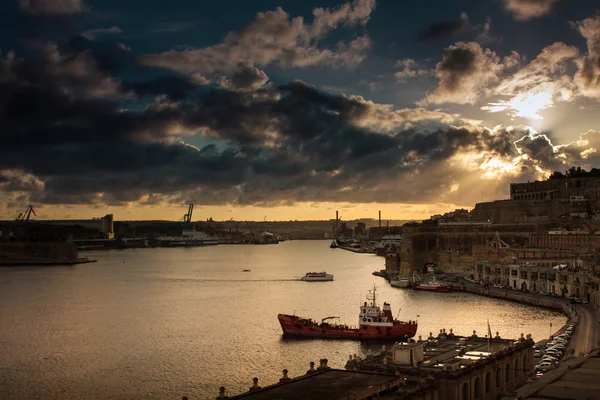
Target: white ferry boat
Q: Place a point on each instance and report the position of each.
(188, 238)
(317, 277)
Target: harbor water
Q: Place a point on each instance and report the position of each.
(167, 322)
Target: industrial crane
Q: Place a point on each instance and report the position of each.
(24, 217)
(188, 217)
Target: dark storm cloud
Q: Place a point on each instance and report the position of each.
(458, 62)
(67, 138)
(176, 88)
(465, 73)
(443, 29)
(281, 140)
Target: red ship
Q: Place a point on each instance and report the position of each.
(373, 323)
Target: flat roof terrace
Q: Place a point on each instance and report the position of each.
(453, 354)
(450, 351)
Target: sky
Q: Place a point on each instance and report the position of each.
(290, 110)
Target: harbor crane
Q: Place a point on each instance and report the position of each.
(24, 217)
(187, 218)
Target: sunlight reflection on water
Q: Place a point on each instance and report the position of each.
(163, 323)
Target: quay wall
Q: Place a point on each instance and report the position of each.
(554, 303)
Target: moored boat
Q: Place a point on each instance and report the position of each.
(189, 238)
(317, 277)
(400, 283)
(373, 323)
(433, 287)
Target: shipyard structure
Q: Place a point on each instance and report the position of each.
(544, 238)
(25, 242)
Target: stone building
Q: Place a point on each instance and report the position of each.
(452, 247)
(593, 288)
(581, 241)
(464, 368)
(554, 200)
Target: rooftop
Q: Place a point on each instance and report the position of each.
(450, 352)
(447, 355)
(331, 384)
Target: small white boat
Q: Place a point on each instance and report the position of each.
(317, 277)
(400, 283)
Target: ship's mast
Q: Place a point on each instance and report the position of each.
(374, 298)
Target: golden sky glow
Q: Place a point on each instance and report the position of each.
(302, 211)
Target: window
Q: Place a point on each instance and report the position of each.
(498, 377)
(477, 389)
(488, 382)
(507, 374)
(516, 368)
(465, 391)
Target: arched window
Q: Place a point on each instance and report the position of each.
(516, 368)
(488, 382)
(525, 364)
(498, 377)
(507, 373)
(465, 391)
(477, 388)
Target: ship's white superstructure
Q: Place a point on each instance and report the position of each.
(317, 277)
(189, 237)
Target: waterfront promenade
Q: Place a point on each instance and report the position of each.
(587, 334)
(583, 346)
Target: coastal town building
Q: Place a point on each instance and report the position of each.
(464, 368)
(563, 199)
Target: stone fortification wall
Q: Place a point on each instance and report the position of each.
(453, 249)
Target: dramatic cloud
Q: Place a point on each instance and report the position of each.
(287, 143)
(527, 9)
(275, 38)
(270, 145)
(588, 76)
(52, 7)
(538, 85)
(445, 29)
(465, 73)
(82, 123)
(409, 70)
(78, 74)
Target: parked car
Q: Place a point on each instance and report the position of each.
(554, 350)
(544, 366)
(550, 359)
(538, 353)
(555, 354)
